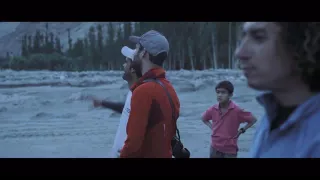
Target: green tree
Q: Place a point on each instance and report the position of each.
(99, 44)
(24, 46)
(127, 31)
(136, 28)
(193, 45)
(93, 44)
(42, 43)
(69, 40)
(29, 44)
(86, 54)
(110, 51)
(117, 46)
(51, 43)
(46, 40)
(58, 47)
(78, 48)
(36, 42)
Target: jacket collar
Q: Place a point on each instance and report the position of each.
(153, 73)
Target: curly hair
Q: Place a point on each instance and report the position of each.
(303, 40)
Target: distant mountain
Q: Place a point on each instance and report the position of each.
(11, 32)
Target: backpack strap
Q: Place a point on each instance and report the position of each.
(170, 100)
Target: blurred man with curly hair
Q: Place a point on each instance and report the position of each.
(283, 59)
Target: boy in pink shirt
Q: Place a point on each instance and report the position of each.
(226, 118)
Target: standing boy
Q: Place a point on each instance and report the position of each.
(226, 118)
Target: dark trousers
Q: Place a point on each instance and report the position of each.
(217, 154)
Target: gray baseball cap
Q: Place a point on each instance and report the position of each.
(154, 42)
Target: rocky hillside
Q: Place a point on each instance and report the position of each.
(11, 32)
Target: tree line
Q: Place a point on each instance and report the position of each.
(193, 46)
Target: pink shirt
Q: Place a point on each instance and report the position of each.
(225, 127)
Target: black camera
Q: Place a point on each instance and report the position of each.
(178, 151)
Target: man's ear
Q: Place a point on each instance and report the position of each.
(142, 54)
(132, 70)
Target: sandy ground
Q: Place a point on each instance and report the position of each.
(51, 119)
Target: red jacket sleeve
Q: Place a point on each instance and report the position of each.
(141, 101)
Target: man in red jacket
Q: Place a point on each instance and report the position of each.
(151, 126)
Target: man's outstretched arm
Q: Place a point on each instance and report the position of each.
(115, 106)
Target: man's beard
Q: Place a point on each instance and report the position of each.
(136, 65)
(127, 76)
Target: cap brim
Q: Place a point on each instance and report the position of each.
(134, 39)
(127, 52)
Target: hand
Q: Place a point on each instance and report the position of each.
(96, 102)
(241, 131)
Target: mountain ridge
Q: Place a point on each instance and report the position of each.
(11, 32)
